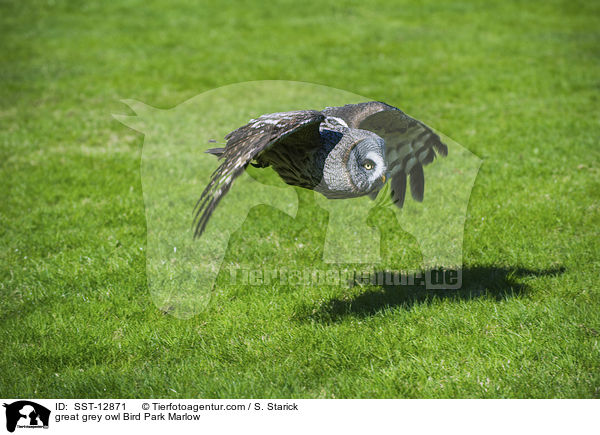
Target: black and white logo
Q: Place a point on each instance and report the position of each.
(26, 414)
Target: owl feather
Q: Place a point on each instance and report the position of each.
(245, 144)
(327, 151)
(409, 143)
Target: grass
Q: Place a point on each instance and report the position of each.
(516, 83)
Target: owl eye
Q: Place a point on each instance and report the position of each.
(368, 165)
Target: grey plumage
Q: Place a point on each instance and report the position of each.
(410, 144)
(340, 152)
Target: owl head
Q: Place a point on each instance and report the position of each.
(356, 166)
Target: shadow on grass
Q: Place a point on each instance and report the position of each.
(490, 282)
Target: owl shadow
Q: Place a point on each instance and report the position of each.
(496, 283)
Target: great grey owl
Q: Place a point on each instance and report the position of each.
(340, 152)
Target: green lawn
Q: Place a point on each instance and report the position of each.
(514, 82)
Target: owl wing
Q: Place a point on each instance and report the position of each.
(245, 144)
(409, 143)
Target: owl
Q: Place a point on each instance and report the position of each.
(340, 152)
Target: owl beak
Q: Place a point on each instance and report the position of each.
(383, 178)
